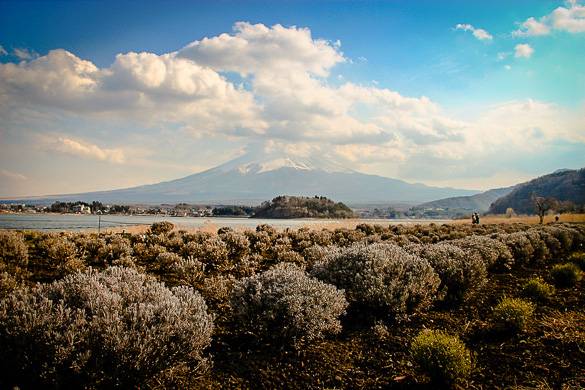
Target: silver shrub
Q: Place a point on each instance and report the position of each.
(285, 302)
(116, 328)
(494, 253)
(462, 274)
(552, 244)
(541, 251)
(382, 276)
(519, 246)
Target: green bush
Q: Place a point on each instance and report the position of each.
(537, 289)
(115, 328)
(565, 275)
(512, 314)
(578, 259)
(441, 356)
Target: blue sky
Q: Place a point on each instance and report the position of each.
(492, 102)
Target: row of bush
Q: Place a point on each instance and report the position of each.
(120, 327)
(162, 251)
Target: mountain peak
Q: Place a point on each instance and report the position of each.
(262, 162)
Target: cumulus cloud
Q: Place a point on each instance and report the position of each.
(143, 86)
(24, 53)
(87, 150)
(570, 19)
(257, 49)
(523, 50)
(479, 33)
(269, 85)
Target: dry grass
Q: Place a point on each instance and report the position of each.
(529, 219)
(211, 226)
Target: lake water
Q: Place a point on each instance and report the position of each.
(63, 222)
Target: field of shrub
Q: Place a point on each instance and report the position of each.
(378, 306)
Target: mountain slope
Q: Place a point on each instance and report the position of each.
(563, 185)
(478, 202)
(252, 179)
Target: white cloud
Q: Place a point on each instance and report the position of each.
(12, 175)
(24, 53)
(142, 86)
(523, 50)
(87, 150)
(257, 49)
(265, 84)
(570, 19)
(3, 51)
(479, 33)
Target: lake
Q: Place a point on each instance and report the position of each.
(64, 222)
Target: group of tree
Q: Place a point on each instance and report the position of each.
(95, 207)
(303, 207)
(562, 191)
(237, 211)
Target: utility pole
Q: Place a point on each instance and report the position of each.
(99, 222)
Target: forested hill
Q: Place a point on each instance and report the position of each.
(564, 186)
(303, 207)
(477, 202)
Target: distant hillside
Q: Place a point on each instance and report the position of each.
(302, 207)
(479, 202)
(564, 185)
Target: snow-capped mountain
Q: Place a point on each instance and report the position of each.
(255, 177)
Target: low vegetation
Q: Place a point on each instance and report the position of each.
(512, 314)
(537, 289)
(443, 357)
(566, 275)
(378, 306)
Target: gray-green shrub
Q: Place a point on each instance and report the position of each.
(116, 328)
(285, 302)
(495, 254)
(381, 276)
(461, 274)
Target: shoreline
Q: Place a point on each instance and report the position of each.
(212, 224)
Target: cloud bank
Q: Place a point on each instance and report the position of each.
(273, 85)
